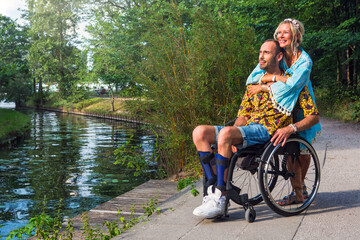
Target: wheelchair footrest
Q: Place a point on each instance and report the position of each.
(234, 195)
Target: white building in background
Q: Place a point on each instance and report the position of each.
(53, 87)
(10, 105)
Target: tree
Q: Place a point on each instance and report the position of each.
(14, 77)
(335, 41)
(53, 53)
(113, 45)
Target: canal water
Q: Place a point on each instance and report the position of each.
(65, 157)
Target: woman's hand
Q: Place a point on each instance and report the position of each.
(254, 89)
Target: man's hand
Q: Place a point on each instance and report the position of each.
(267, 78)
(254, 89)
(241, 121)
(281, 135)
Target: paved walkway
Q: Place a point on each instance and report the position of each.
(335, 213)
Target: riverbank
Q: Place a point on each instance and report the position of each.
(13, 125)
(96, 107)
(124, 211)
(68, 157)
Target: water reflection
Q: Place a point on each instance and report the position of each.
(65, 157)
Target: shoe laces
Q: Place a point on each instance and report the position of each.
(206, 198)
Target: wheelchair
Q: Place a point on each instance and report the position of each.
(264, 172)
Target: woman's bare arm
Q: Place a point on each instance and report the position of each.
(269, 78)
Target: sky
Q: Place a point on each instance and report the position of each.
(9, 8)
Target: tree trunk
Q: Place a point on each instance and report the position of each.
(34, 86)
(41, 92)
(64, 90)
(338, 68)
(350, 68)
(344, 69)
(356, 51)
(112, 99)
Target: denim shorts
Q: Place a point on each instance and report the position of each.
(252, 134)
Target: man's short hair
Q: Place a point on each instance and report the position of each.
(278, 49)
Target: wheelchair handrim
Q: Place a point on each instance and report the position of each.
(316, 182)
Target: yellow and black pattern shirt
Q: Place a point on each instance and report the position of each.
(258, 108)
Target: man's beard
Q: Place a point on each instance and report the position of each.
(271, 64)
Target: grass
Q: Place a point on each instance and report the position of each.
(12, 124)
(128, 107)
(104, 106)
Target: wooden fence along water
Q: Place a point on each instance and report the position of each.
(99, 115)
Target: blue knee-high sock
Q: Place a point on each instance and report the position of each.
(206, 166)
(221, 165)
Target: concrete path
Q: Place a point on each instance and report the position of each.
(335, 213)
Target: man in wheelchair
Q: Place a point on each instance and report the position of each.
(258, 122)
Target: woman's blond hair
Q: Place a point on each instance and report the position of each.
(297, 30)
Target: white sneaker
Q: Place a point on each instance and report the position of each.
(214, 207)
(200, 211)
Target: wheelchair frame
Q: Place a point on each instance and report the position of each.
(272, 179)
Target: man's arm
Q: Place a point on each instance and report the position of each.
(282, 134)
(278, 78)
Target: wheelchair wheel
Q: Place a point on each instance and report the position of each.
(250, 215)
(280, 162)
(247, 182)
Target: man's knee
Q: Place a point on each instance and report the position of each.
(198, 132)
(202, 133)
(228, 135)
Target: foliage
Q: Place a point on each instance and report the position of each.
(339, 103)
(133, 158)
(14, 77)
(53, 57)
(43, 227)
(189, 58)
(182, 183)
(46, 227)
(113, 50)
(355, 111)
(12, 124)
(151, 207)
(189, 66)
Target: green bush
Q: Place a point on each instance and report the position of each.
(338, 103)
(194, 75)
(355, 111)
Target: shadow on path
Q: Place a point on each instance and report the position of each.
(324, 202)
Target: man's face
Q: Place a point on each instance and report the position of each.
(267, 56)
